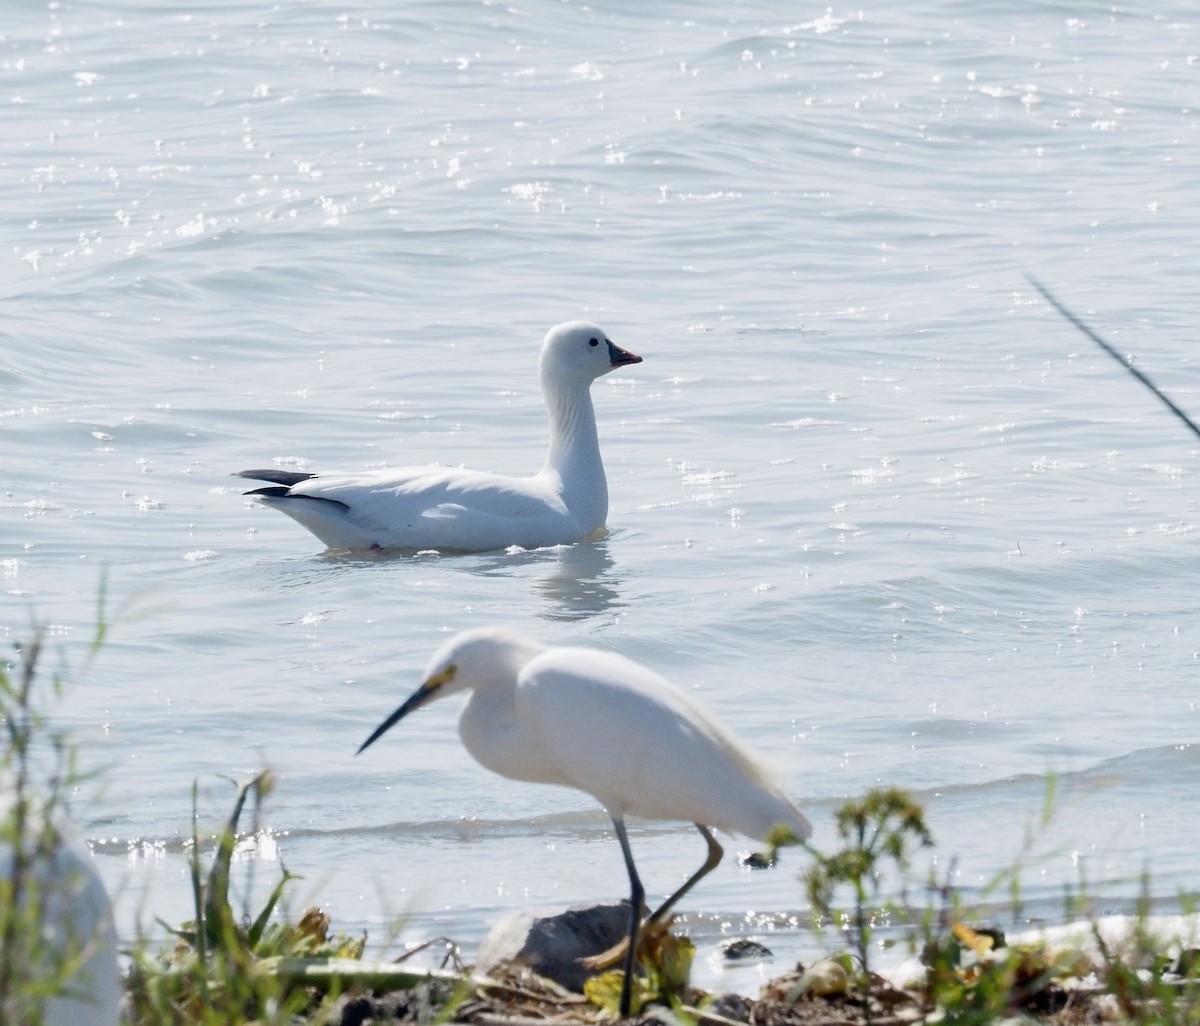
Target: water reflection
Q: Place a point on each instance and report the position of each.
(577, 582)
(578, 585)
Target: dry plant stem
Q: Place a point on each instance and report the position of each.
(1112, 351)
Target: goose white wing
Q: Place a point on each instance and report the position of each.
(426, 507)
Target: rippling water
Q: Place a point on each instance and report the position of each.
(872, 501)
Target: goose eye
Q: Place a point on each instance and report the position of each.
(593, 341)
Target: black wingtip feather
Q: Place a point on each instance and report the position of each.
(284, 489)
(287, 478)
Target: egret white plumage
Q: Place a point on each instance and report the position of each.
(63, 935)
(432, 507)
(606, 725)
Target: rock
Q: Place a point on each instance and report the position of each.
(732, 1006)
(1186, 963)
(421, 1003)
(742, 949)
(552, 944)
(756, 860)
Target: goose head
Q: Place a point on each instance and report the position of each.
(577, 352)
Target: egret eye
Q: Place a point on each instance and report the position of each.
(593, 341)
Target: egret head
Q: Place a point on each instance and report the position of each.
(473, 659)
(580, 351)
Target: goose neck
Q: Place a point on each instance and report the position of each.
(574, 444)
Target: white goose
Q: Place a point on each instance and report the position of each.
(468, 510)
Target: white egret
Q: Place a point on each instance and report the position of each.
(608, 726)
(64, 955)
(449, 508)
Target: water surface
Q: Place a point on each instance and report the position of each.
(872, 502)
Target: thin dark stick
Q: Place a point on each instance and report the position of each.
(1048, 296)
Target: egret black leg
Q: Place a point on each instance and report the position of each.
(711, 861)
(637, 897)
(625, 949)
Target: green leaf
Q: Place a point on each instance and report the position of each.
(604, 991)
